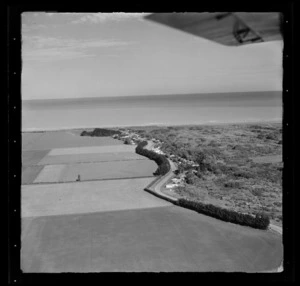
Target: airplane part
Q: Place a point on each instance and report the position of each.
(231, 29)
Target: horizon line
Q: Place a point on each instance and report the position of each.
(143, 95)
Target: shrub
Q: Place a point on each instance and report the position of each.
(257, 192)
(213, 143)
(277, 204)
(227, 169)
(260, 136)
(127, 141)
(141, 145)
(84, 133)
(243, 174)
(271, 136)
(199, 174)
(233, 184)
(260, 221)
(191, 178)
(162, 162)
(100, 132)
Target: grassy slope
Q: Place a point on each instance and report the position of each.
(233, 180)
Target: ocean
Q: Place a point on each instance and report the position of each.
(179, 109)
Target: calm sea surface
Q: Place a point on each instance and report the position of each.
(151, 110)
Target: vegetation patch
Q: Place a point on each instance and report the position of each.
(100, 132)
(161, 160)
(236, 164)
(260, 221)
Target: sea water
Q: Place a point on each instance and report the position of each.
(182, 109)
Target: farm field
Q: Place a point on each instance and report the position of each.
(90, 157)
(76, 156)
(96, 171)
(28, 138)
(87, 197)
(62, 139)
(33, 157)
(29, 174)
(148, 239)
(50, 174)
(92, 149)
(113, 224)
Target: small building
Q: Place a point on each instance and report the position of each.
(170, 186)
(176, 181)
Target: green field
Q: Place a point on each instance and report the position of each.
(87, 197)
(62, 139)
(96, 171)
(90, 157)
(113, 224)
(29, 174)
(30, 158)
(92, 149)
(52, 157)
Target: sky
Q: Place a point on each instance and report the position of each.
(77, 55)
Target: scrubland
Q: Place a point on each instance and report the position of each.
(240, 165)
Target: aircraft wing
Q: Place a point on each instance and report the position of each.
(227, 28)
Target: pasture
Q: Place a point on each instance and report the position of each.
(139, 238)
(113, 224)
(29, 174)
(90, 157)
(87, 197)
(96, 171)
(50, 173)
(92, 149)
(62, 139)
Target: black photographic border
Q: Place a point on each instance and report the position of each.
(12, 126)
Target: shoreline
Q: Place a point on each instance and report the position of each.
(210, 123)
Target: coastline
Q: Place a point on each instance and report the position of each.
(209, 123)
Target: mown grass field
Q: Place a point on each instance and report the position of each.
(60, 156)
(86, 197)
(240, 164)
(113, 225)
(30, 158)
(96, 171)
(92, 150)
(29, 174)
(62, 139)
(93, 157)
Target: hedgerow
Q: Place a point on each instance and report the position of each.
(162, 162)
(99, 132)
(260, 221)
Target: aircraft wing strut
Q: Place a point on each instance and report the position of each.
(231, 29)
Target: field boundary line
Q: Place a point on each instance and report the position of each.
(87, 162)
(83, 181)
